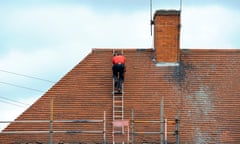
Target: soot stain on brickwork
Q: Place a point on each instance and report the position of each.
(179, 72)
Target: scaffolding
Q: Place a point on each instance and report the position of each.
(51, 131)
(119, 124)
(163, 130)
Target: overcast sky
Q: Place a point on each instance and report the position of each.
(47, 38)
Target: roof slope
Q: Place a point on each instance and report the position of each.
(203, 90)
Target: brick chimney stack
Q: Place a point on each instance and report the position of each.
(167, 35)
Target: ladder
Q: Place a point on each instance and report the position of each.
(118, 112)
(118, 105)
(118, 99)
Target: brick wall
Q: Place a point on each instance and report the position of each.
(167, 35)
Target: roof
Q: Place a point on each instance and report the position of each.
(203, 91)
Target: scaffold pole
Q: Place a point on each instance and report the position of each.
(51, 121)
(162, 141)
(132, 126)
(104, 128)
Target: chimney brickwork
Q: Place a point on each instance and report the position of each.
(167, 35)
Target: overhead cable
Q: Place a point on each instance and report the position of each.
(27, 76)
(15, 101)
(19, 86)
(12, 103)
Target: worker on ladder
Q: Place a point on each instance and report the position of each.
(118, 69)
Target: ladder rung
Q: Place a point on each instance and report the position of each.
(118, 96)
(118, 101)
(117, 106)
(118, 116)
(117, 92)
(118, 110)
(118, 132)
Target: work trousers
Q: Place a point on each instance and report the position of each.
(118, 75)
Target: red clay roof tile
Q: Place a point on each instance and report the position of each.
(203, 91)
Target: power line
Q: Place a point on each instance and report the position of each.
(27, 76)
(12, 103)
(19, 86)
(15, 101)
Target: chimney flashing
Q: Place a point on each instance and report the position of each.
(166, 64)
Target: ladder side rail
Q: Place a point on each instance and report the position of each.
(122, 102)
(113, 93)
